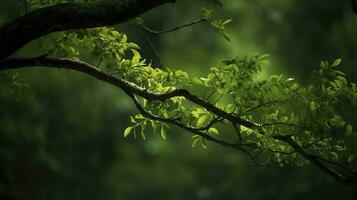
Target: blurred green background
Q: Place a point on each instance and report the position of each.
(61, 132)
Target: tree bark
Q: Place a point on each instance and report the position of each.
(69, 16)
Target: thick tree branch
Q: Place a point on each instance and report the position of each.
(69, 16)
(132, 90)
(128, 87)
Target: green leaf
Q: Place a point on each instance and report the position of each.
(198, 81)
(132, 45)
(202, 120)
(132, 120)
(336, 63)
(136, 56)
(153, 124)
(194, 143)
(245, 129)
(180, 73)
(139, 116)
(207, 12)
(128, 131)
(212, 131)
(227, 21)
(196, 113)
(143, 133)
(114, 33)
(163, 132)
(295, 86)
(337, 121)
(230, 108)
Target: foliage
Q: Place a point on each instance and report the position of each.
(319, 115)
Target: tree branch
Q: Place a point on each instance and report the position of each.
(174, 28)
(184, 127)
(67, 16)
(316, 161)
(128, 87)
(132, 89)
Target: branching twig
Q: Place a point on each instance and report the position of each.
(156, 52)
(259, 106)
(184, 127)
(132, 89)
(314, 142)
(173, 29)
(316, 161)
(284, 124)
(68, 16)
(210, 124)
(127, 86)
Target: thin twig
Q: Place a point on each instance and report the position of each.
(173, 29)
(219, 98)
(210, 124)
(314, 142)
(132, 89)
(284, 124)
(259, 106)
(316, 160)
(151, 44)
(192, 130)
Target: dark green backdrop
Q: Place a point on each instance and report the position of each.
(63, 136)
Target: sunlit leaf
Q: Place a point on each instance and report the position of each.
(128, 131)
(336, 63)
(212, 131)
(204, 119)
